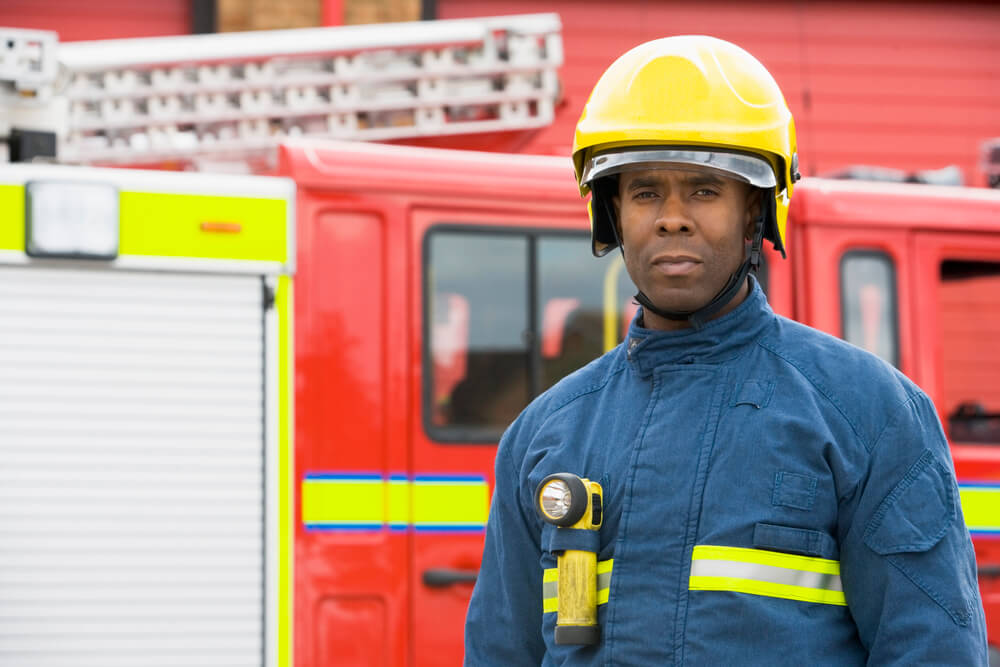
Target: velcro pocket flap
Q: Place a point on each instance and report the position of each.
(908, 529)
(917, 512)
(753, 392)
(802, 541)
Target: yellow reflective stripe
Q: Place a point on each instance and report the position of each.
(444, 503)
(169, 225)
(347, 502)
(768, 589)
(368, 502)
(284, 304)
(762, 557)
(12, 223)
(981, 507)
(399, 502)
(767, 573)
(550, 585)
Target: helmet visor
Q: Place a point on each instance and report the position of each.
(748, 168)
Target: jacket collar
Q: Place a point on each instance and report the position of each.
(719, 340)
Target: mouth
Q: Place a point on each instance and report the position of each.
(675, 265)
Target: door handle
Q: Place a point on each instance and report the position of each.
(445, 576)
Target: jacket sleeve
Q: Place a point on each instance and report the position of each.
(504, 621)
(907, 562)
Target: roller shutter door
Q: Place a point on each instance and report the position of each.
(131, 468)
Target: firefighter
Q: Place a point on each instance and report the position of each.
(771, 494)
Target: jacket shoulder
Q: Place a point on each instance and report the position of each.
(851, 379)
(586, 380)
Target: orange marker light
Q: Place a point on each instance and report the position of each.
(221, 227)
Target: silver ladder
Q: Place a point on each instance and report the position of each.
(232, 95)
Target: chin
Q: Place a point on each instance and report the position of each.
(678, 303)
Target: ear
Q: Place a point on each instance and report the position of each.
(753, 209)
(616, 201)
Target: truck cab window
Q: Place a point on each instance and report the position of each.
(508, 314)
(969, 317)
(569, 307)
(868, 308)
(477, 289)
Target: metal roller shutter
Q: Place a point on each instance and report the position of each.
(131, 468)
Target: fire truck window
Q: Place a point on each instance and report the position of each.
(477, 295)
(869, 315)
(569, 306)
(969, 319)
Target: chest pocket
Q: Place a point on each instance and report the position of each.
(798, 492)
(789, 539)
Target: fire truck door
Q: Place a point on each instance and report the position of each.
(504, 309)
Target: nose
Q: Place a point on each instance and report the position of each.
(672, 218)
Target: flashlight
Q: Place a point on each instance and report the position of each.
(574, 503)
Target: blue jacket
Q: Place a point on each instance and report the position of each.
(772, 496)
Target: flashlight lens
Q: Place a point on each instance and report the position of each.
(556, 498)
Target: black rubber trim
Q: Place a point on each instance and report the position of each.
(578, 502)
(578, 635)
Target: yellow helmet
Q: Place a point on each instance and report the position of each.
(688, 100)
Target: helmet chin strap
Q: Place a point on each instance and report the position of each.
(698, 318)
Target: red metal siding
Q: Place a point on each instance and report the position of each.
(911, 86)
(99, 19)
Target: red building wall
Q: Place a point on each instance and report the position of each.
(904, 85)
(99, 19)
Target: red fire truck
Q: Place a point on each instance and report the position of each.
(435, 294)
(438, 292)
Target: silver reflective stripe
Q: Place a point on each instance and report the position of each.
(754, 170)
(766, 573)
(550, 589)
(604, 580)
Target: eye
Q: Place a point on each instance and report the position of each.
(705, 192)
(644, 194)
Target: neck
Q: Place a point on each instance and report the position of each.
(653, 321)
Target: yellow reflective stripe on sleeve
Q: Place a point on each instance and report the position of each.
(981, 507)
(767, 573)
(550, 585)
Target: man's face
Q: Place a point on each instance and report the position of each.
(683, 232)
